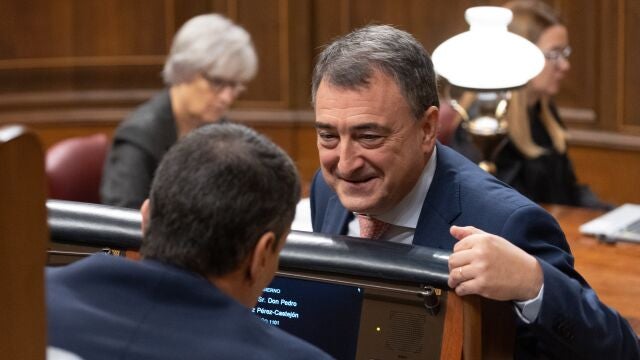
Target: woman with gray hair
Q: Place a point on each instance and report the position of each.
(211, 59)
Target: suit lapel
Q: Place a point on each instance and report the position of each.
(336, 217)
(441, 206)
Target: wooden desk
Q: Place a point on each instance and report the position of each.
(612, 270)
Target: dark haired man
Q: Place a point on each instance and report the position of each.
(383, 175)
(220, 208)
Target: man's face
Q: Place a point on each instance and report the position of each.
(372, 149)
(271, 264)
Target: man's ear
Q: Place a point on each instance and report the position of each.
(429, 123)
(144, 211)
(262, 255)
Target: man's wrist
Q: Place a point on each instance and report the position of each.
(535, 283)
(528, 310)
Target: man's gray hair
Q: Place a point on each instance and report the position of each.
(213, 45)
(349, 63)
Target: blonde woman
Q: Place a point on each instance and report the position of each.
(535, 161)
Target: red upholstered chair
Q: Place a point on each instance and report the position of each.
(449, 121)
(74, 168)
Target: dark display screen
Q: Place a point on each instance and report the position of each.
(326, 315)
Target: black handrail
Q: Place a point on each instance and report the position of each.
(108, 226)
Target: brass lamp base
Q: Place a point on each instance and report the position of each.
(488, 166)
(487, 126)
(489, 143)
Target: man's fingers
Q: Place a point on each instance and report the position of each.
(461, 274)
(465, 288)
(460, 258)
(461, 232)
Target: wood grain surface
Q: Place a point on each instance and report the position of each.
(612, 270)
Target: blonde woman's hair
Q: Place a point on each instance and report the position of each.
(520, 126)
(530, 19)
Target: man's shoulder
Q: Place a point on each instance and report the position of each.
(481, 196)
(94, 275)
(90, 265)
(476, 186)
(119, 274)
(146, 306)
(284, 345)
(239, 333)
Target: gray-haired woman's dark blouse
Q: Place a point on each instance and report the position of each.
(139, 144)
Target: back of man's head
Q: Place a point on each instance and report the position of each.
(349, 62)
(214, 194)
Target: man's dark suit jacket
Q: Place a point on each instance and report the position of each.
(572, 322)
(107, 307)
(139, 144)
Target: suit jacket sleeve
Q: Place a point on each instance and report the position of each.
(572, 320)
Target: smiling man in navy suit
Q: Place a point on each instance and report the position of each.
(376, 104)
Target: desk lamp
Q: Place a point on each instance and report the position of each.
(486, 62)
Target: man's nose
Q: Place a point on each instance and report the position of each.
(350, 159)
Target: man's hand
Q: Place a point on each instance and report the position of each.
(492, 267)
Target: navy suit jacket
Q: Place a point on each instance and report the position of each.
(572, 322)
(107, 307)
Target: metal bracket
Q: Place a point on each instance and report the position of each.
(431, 300)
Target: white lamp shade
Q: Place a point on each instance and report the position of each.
(488, 56)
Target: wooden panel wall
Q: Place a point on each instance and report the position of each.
(614, 174)
(629, 14)
(72, 67)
